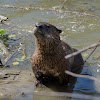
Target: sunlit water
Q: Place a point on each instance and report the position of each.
(78, 30)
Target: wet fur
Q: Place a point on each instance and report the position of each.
(49, 57)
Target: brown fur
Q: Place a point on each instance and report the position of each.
(49, 56)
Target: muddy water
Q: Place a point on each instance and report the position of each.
(78, 30)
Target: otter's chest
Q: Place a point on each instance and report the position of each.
(50, 63)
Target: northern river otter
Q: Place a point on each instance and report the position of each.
(49, 56)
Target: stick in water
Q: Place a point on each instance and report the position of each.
(82, 50)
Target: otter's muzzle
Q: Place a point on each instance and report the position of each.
(39, 25)
(41, 28)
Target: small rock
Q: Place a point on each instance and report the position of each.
(22, 93)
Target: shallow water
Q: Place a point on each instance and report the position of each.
(78, 30)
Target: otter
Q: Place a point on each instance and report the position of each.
(48, 59)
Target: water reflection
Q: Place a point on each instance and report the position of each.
(79, 31)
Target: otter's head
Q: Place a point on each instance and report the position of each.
(46, 32)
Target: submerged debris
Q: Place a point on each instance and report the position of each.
(3, 49)
(3, 18)
(1, 63)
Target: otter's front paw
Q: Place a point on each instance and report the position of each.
(38, 83)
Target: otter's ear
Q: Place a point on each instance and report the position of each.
(59, 31)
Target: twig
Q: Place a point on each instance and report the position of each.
(23, 46)
(83, 76)
(65, 94)
(90, 54)
(63, 4)
(9, 57)
(82, 50)
(38, 8)
(1, 63)
(73, 70)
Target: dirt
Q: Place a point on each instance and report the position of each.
(14, 83)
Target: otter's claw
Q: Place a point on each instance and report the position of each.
(38, 83)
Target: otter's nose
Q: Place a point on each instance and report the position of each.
(40, 25)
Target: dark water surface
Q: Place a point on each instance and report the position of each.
(78, 30)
